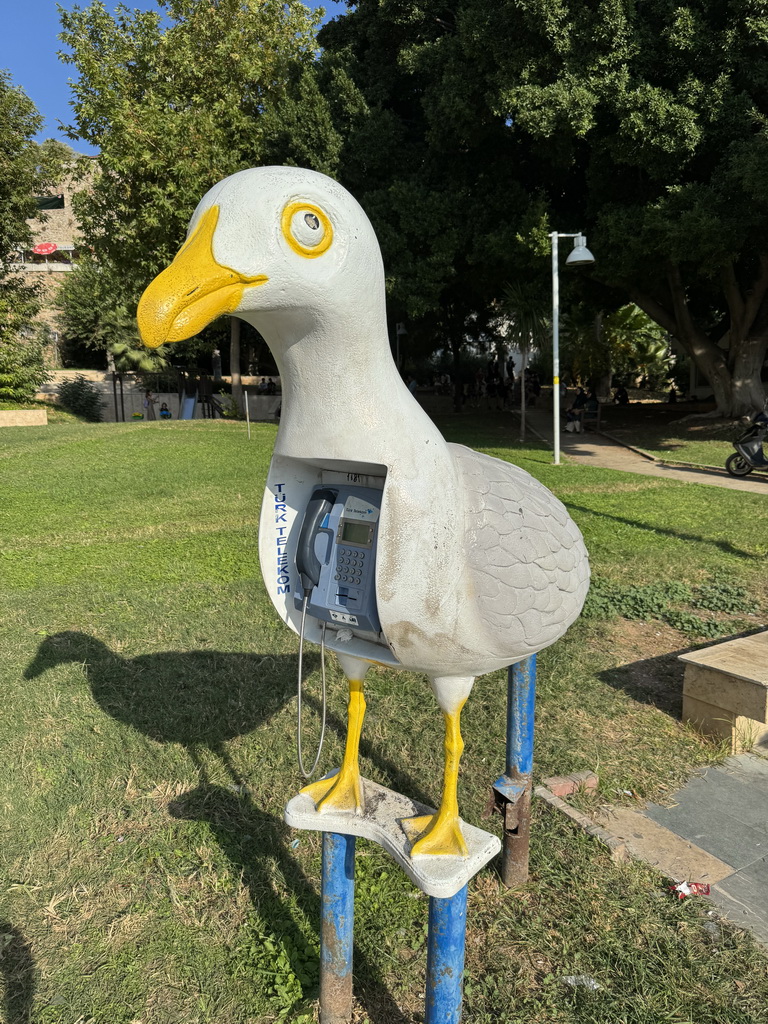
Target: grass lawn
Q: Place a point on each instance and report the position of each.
(149, 748)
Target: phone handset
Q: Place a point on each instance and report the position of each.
(307, 562)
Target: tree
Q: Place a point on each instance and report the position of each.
(21, 358)
(24, 173)
(447, 186)
(176, 99)
(527, 327)
(624, 342)
(650, 123)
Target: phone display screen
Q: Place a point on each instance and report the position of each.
(355, 533)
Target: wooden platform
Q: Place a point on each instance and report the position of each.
(725, 691)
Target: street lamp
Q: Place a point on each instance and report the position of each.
(578, 257)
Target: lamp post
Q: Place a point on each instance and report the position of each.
(579, 256)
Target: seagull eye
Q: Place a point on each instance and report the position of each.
(307, 229)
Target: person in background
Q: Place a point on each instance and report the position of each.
(165, 412)
(620, 396)
(149, 404)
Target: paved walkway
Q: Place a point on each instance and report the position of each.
(593, 449)
(714, 830)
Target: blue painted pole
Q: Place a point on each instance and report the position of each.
(445, 958)
(338, 914)
(521, 700)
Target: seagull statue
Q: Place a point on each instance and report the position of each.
(478, 565)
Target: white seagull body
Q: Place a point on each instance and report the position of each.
(478, 564)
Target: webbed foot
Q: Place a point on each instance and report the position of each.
(436, 835)
(340, 792)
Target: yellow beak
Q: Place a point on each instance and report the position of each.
(192, 291)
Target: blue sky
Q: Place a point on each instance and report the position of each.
(28, 46)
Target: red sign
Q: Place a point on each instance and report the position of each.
(45, 248)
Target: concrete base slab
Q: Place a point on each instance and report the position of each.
(385, 810)
(23, 418)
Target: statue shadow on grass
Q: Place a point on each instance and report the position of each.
(255, 842)
(199, 699)
(17, 968)
(202, 699)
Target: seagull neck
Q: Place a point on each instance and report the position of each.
(343, 397)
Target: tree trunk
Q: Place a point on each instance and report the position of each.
(522, 398)
(748, 392)
(458, 373)
(733, 372)
(605, 374)
(234, 362)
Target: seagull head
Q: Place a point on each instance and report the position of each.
(264, 243)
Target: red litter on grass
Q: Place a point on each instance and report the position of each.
(684, 889)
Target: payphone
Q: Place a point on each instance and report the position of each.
(336, 557)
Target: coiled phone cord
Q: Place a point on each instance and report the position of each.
(302, 769)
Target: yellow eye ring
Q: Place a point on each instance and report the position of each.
(310, 251)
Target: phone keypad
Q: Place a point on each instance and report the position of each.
(349, 565)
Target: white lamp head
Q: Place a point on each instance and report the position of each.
(580, 254)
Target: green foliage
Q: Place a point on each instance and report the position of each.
(721, 595)
(650, 119)
(21, 367)
(446, 185)
(230, 409)
(20, 175)
(607, 599)
(287, 966)
(479, 127)
(625, 342)
(176, 99)
(26, 169)
(81, 397)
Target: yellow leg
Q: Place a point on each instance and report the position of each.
(342, 792)
(440, 834)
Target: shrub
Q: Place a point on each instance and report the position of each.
(81, 396)
(21, 368)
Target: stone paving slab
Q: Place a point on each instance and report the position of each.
(663, 849)
(741, 898)
(724, 812)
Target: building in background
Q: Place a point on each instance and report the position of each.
(53, 252)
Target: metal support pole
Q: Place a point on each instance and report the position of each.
(555, 348)
(521, 699)
(338, 913)
(445, 958)
(114, 395)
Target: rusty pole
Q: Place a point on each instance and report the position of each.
(338, 912)
(512, 792)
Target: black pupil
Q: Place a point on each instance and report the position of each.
(311, 221)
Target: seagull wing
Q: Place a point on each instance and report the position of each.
(526, 558)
